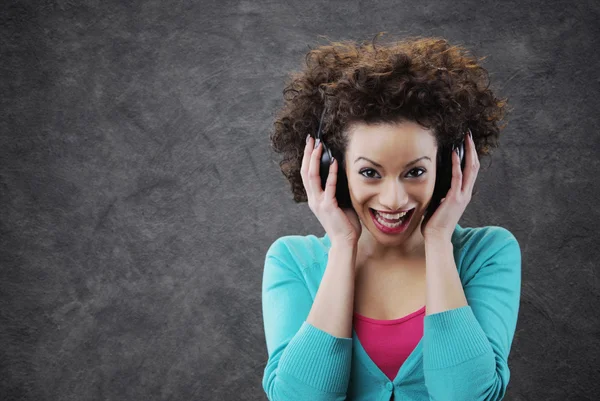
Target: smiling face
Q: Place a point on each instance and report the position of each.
(384, 176)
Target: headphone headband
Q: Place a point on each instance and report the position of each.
(320, 124)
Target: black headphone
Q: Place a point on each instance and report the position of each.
(326, 156)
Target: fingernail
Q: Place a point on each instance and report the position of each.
(332, 159)
(470, 134)
(307, 138)
(317, 143)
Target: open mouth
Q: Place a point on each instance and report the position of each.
(391, 224)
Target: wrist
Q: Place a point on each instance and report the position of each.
(342, 257)
(437, 240)
(344, 245)
(344, 251)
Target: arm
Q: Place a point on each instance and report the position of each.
(466, 348)
(309, 342)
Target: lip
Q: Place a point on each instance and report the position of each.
(397, 211)
(386, 230)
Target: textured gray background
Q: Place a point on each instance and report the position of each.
(139, 195)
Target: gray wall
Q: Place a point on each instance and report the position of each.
(139, 194)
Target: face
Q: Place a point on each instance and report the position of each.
(380, 177)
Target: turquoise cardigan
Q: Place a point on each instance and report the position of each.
(462, 356)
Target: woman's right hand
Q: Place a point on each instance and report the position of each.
(342, 225)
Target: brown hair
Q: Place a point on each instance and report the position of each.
(426, 80)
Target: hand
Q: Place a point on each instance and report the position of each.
(443, 221)
(342, 225)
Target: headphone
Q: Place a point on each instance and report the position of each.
(326, 156)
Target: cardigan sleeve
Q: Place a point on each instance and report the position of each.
(465, 355)
(304, 362)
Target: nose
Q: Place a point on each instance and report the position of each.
(392, 195)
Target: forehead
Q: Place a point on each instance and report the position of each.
(387, 142)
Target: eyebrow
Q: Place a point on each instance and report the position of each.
(380, 166)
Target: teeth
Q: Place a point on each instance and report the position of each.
(392, 216)
(388, 224)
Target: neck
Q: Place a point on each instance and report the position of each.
(413, 247)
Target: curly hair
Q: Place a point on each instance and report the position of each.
(425, 80)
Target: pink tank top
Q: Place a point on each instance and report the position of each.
(389, 342)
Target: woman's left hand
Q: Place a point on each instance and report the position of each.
(442, 223)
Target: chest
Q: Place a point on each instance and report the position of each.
(390, 292)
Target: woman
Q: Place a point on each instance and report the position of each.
(383, 306)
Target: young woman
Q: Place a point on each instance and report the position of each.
(382, 306)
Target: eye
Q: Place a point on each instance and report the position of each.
(367, 170)
(418, 169)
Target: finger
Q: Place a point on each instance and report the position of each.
(331, 180)
(471, 166)
(457, 176)
(314, 179)
(306, 157)
(308, 149)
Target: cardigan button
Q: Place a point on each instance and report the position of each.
(389, 386)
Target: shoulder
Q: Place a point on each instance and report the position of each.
(486, 239)
(476, 247)
(301, 251)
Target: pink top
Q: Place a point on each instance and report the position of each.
(389, 342)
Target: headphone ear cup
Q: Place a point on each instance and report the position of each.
(342, 192)
(325, 163)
